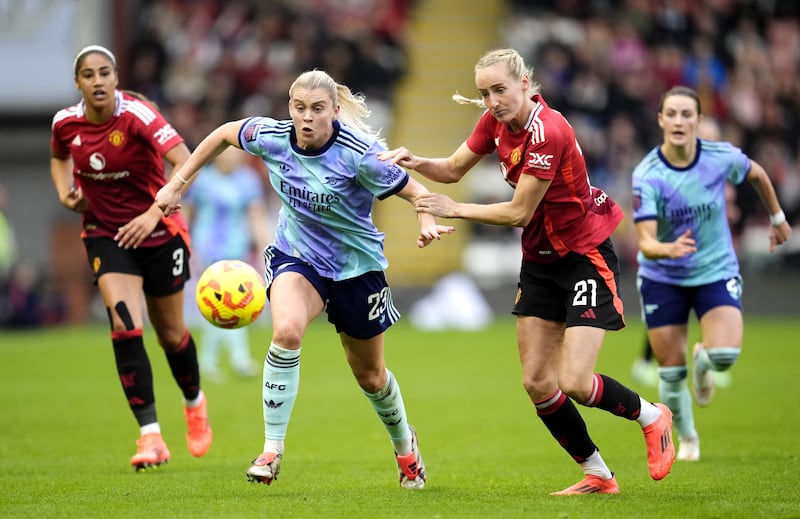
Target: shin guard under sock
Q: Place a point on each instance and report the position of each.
(135, 374)
(565, 423)
(183, 364)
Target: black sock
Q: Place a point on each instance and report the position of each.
(185, 370)
(615, 398)
(565, 423)
(135, 374)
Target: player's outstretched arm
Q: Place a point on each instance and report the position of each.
(168, 197)
(429, 230)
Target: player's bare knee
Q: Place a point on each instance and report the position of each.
(286, 337)
(577, 394)
(536, 389)
(369, 380)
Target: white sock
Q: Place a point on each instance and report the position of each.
(150, 428)
(595, 466)
(273, 446)
(648, 414)
(195, 402)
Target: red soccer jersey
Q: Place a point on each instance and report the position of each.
(119, 164)
(573, 215)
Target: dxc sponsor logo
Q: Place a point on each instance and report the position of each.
(540, 160)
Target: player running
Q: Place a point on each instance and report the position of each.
(568, 296)
(327, 255)
(686, 256)
(107, 162)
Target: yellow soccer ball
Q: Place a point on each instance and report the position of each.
(231, 294)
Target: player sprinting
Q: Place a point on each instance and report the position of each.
(567, 297)
(327, 254)
(107, 162)
(687, 260)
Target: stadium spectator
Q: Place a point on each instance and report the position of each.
(24, 307)
(182, 49)
(742, 56)
(225, 209)
(107, 161)
(327, 254)
(8, 257)
(687, 259)
(568, 294)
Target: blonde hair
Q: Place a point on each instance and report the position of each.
(514, 64)
(353, 109)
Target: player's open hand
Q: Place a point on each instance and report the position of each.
(401, 156)
(133, 233)
(436, 204)
(429, 233)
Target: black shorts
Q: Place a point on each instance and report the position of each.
(164, 269)
(579, 290)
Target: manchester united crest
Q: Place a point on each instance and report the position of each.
(116, 138)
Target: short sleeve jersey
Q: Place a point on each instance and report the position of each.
(118, 164)
(220, 202)
(693, 198)
(573, 216)
(326, 195)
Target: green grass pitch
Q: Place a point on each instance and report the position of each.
(66, 435)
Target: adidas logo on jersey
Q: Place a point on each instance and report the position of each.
(588, 314)
(76, 141)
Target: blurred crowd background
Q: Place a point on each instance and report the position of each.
(603, 63)
(209, 61)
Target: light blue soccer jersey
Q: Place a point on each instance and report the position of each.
(220, 202)
(326, 195)
(690, 198)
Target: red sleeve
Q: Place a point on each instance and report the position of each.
(161, 133)
(57, 146)
(482, 139)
